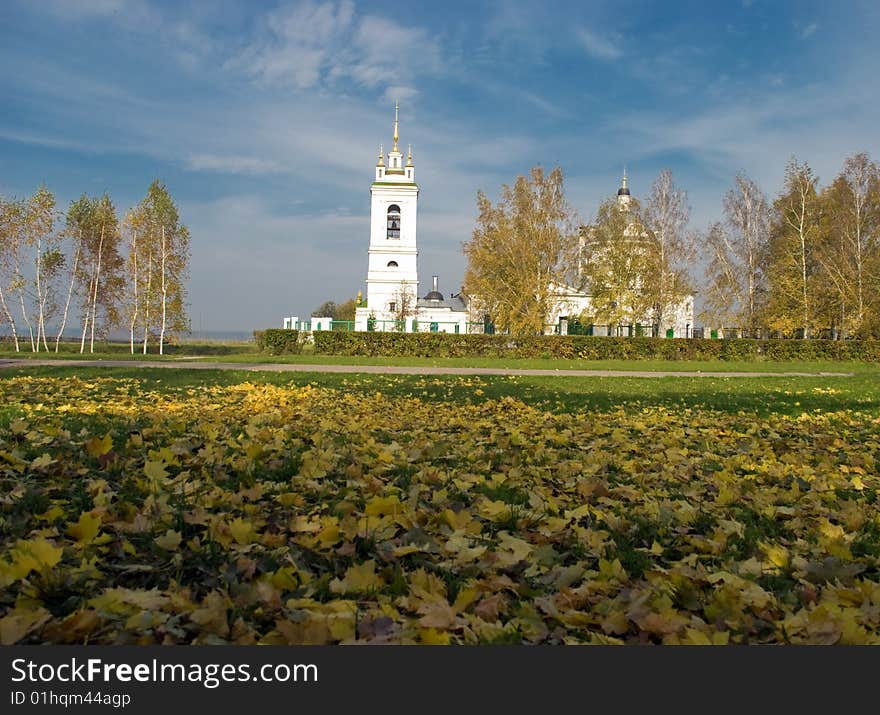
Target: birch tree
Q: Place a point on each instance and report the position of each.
(850, 250)
(793, 268)
(10, 235)
(723, 294)
(131, 300)
(158, 268)
(41, 239)
(738, 255)
(100, 278)
(72, 281)
(669, 248)
(520, 248)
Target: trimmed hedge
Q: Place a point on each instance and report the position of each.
(587, 347)
(278, 341)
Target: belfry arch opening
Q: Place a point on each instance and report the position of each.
(393, 221)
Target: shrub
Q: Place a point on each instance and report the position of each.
(278, 341)
(377, 344)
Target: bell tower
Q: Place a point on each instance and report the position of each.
(392, 254)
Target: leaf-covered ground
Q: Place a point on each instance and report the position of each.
(259, 513)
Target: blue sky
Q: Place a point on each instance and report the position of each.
(264, 118)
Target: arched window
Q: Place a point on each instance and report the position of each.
(392, 264)
(393, 221)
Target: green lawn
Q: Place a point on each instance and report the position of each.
(763, 395)
(237, 354)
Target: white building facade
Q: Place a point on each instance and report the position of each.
(392, 299)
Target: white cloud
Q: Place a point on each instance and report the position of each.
(233, 164)
(603, 48)
(400, 93)
(182, 40)
(310, 44)
(809, 30)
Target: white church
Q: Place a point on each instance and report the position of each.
(392, 301)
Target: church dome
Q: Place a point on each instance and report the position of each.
(435, 294)
(623, 191)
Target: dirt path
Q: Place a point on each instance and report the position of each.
(400, 369)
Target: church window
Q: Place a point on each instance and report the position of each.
(392, 264)
(392, 306)
(393, 221)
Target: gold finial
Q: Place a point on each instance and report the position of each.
(623, 185)
(381, 161)
(409, 155)
(396, 108)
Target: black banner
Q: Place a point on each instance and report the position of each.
(422, 678)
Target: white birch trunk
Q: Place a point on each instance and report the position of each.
(95, 293)
(164, 296)
(69, 294)
(27, 321)
(8, 314)
(134, 312)
(85, 330)
(147, 294)
(39, 294)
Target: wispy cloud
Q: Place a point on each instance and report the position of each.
(603, 48)
(52, 142)
(400, 93)
(310, 44)
(809, 30)
(181, 39)
(233, 164)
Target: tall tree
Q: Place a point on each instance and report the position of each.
(41, 238)
(669, 248)
(792, 267)
(346, 310)
(738, 255)
(158, 267)
(520, 248)
(11, 217)
(94, 222)
(133, 227)
(327, 309)
(850, 249)
(723, 294)
(76, 250)
(615, 264)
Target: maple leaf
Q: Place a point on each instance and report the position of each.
(16, 624)
(155, 470)
(99, 446)
(360, 578)
(86, 528)
(242, 531)
(169, 541)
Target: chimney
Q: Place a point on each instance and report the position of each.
(434, 280)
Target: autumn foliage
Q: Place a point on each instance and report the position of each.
(265, 514)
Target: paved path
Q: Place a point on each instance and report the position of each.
(402, 370)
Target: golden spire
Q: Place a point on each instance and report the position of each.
(623, 185)
(381, 161)
(396, 108)
(409, 156)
